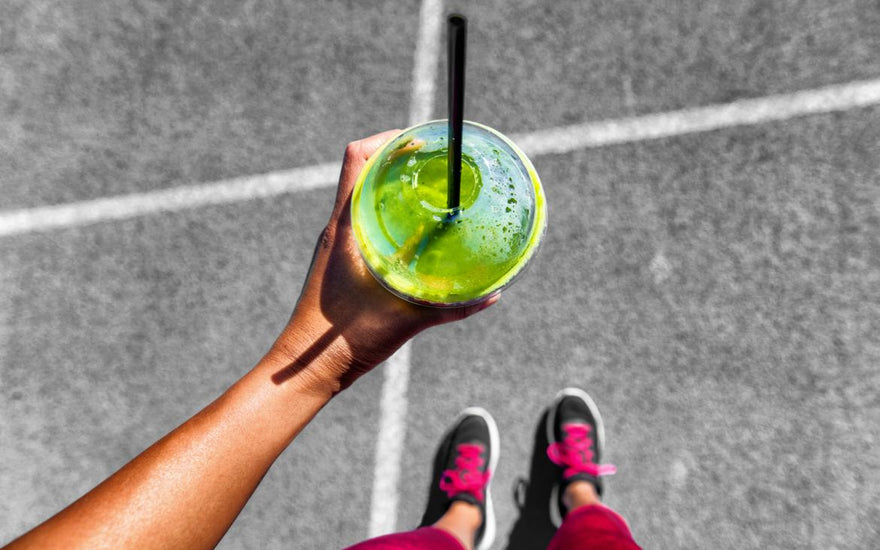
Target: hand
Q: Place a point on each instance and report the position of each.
(343, 313)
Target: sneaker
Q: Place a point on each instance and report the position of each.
(463, 469)
(576, 438)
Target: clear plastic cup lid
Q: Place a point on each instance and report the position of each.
(425, 252)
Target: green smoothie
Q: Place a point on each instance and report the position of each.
(428, 254)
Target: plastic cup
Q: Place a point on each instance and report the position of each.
(426, 253)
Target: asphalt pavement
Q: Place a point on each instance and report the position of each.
(716, 293)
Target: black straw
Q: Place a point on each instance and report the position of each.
(457, 38)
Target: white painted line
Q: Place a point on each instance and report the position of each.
(389, 443)
(564, 139)
(427, 55)
(167, 200)
(392, 417)
(383, 513)
(743, 112)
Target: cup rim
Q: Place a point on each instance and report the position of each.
(539, 225)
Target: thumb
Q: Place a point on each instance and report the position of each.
(356, 155)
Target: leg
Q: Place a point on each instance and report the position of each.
(593, 527)
(463, 521)
(425, 538)
(459, 514)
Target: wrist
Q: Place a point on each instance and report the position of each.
(309, 356)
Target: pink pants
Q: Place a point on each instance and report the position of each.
(587, 528)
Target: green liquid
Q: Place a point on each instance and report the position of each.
(425, 252)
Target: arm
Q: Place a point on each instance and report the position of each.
(187, 488)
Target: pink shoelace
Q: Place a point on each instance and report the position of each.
(467, 477)
(574, 453)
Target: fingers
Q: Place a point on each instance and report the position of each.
(459, 313)
(369, 145)
(470, 310)
(356, 155)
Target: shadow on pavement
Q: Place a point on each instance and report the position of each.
(533, 528)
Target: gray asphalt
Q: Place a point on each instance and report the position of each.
(146, 95)
(717, 293)
(737, 375)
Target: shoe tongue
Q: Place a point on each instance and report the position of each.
(469, 475)
(580, 476)
(466, 497)
(578, 424)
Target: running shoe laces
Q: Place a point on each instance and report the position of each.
(467, 478)
(574, 453)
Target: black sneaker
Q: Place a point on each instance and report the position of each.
(576, 438)
(463, 469)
